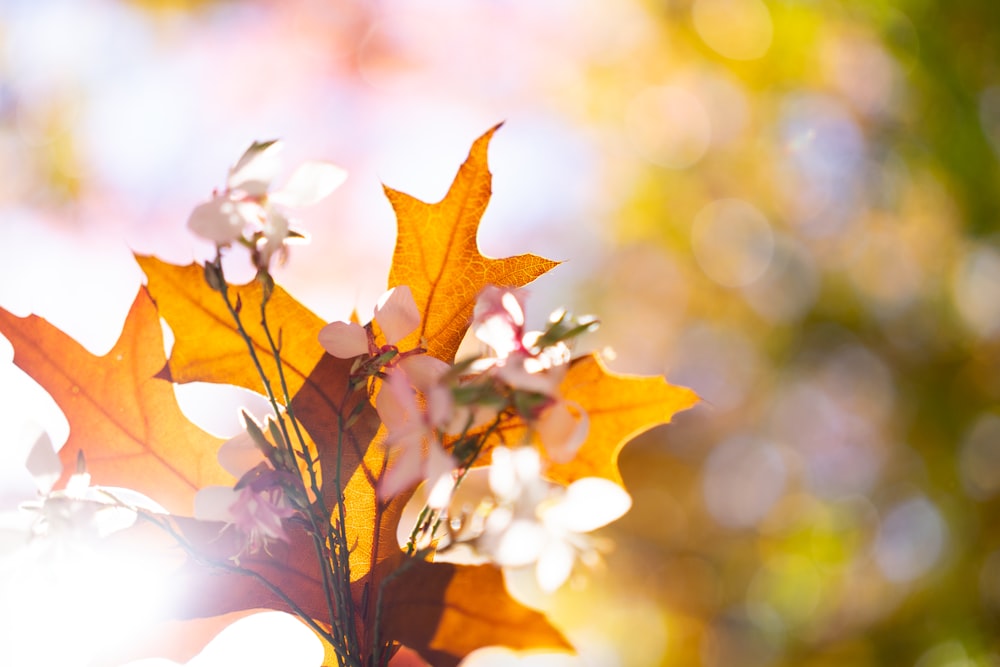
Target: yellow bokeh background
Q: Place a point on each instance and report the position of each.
(790, 206)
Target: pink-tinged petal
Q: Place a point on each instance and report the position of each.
(403, 474)
(439, 470)
(588, 504)
(498, 320)
(514, 373)
(310, 183)
(258, 515)
(220, 220)
(562, 430)
(256, 168)
(239, 455)
(344, 340)
(276, 226)
(43, 463)
(554, 565)
(511, 302)
(213, 502)
(397, 314)
(397, 407)
(424, 371)
(497, 332)
(441, 408)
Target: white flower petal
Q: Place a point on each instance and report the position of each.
(344, 340)
(397, 314)
(310, 183)
(220, 220)
(439, 468)
(213, 502)
(110, 519)
(43, 463)
(562, 430)
(503, 475)
(588, 504)
(527, 464)
(520, 544)
(554, 565)
(239, 455)
(276, 226)
(257, 167)
(512, 305)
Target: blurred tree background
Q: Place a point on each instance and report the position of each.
(791, 206)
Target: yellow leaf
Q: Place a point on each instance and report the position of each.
(438, 257)
(620, 407)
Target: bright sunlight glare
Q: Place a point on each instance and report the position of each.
(64, 604)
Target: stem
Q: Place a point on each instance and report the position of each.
(257, 576)
(321, 537)
(379, 645)
(276, 353)
(426, 514)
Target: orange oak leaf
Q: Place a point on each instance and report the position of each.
(437, 600)
(438, 257)
(211, 349)
(125, 420)
(619, 407)
(441, 610)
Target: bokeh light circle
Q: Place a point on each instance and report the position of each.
(736, 29)
(668, 126)
(976, 290)
(744, 477)
(979, 458)
(911, 539)
(732, 242)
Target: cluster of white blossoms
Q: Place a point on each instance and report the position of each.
(248, 211)
(428, 406)
(439, 418)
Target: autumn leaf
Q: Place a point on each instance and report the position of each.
(125, 420)
(341, 425)
(438, 600)
(438, 257)
(619, 407)
(211, 349)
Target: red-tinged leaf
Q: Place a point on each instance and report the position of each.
(446, 611)
(125, 420)
(209, 348)
(438, 257)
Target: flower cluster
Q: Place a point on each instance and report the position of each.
(440, 419)
(493, 453)
(247, 211)
(262, 496)
(429, 407)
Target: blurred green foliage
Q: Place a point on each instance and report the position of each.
(801, 209)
